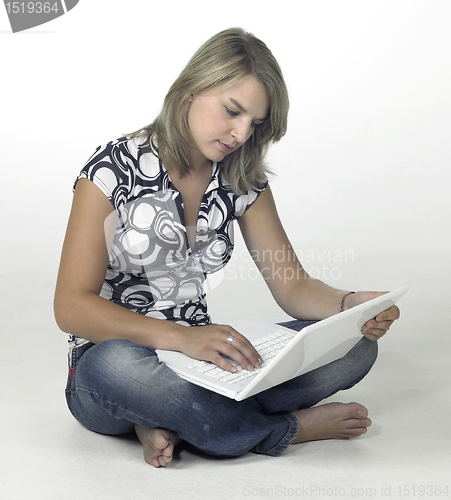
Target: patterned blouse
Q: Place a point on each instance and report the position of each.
(152, 269)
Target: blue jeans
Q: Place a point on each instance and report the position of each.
(116, 384)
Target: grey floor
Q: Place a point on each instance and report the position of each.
(46, 454)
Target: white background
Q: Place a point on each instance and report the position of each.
(363, 178)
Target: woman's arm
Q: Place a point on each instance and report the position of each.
(80, 310)
(299, 295)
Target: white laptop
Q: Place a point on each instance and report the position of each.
(286, 353)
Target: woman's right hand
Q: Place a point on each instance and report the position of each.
(209, 343)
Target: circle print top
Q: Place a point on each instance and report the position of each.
(152, 269)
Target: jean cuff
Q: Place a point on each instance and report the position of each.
(288, 438)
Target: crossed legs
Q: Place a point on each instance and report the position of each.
(119, 387)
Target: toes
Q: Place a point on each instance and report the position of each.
(165, 457)
(160, 461)
(353, 433)
(365, 423)
(168, 451)
(357, 424)
(357, 410)
(157, 446)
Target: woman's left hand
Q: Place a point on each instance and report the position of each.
(377, 327)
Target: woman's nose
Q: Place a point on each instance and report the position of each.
(242, 131)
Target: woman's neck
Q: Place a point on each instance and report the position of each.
(198, 167)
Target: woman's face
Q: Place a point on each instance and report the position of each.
(222, 119)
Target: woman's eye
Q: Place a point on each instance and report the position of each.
(231, 112)
(234, 113)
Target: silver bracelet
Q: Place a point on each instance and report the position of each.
(343, 301)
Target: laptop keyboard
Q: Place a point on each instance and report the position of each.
(268, 347)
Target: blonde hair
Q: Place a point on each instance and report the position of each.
(223, 59)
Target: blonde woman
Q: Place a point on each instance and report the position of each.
(152, 216)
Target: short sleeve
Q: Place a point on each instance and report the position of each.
(245, 201)
(112, 169)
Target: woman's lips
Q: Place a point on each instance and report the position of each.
(225, 147)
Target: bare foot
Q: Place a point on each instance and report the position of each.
(331, 421)
(158, 445)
